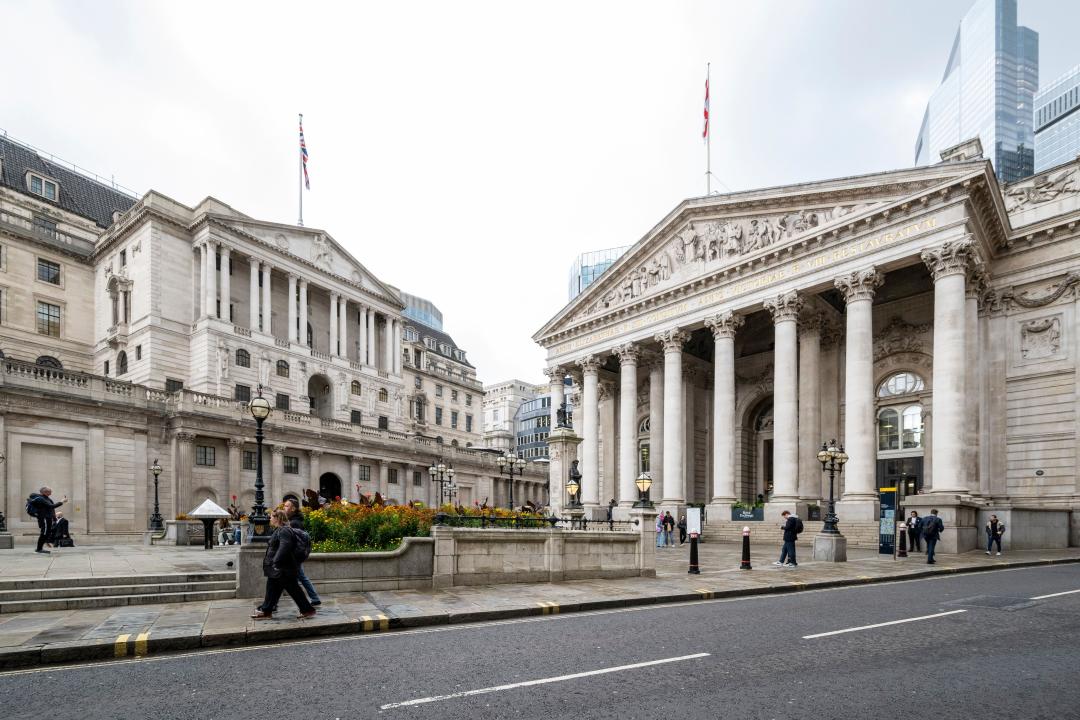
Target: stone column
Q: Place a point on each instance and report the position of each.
(971, 386)
(210, 285)
(181, 475)
(292, 309)
(724, 326)
(388, 346)
(810, 406)
(860, 426)
(276, 485)
(354, 478)
(949, 264)
(226, 282)
(608, 447)
(785, 312)
(343, 326)
(397, 347)
(656, 428)
(253, 294)
(373, 358)
(302, 330)
(333, 349)
(555, 376)
(314, 456)
(384, 478)
(267, 308)
(362, 340)
(236, 448)
(674, 480)
(590, 430)
(201, 297)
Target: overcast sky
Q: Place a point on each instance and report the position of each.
(465, 151)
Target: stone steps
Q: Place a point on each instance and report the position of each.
(857, 534)
(112, 591)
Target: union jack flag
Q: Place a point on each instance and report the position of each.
(705, 132)
(304, 154)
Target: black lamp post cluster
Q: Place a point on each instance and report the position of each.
(510, 464)
(3, 520)
(832, 459)
(156, 521)
(260, 521)
(443, 474)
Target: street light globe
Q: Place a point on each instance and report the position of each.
(442, 467)
(842, 457)
(432, 470)
(155, 468)
(260, 408)
(572, 486)
(643, 482)
(501, 461)
(823, 455)
(450, 472)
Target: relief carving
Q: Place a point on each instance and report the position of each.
(321, 255)
(899, 337)
(1041, 190)
(1010, 297)
(1040, 338)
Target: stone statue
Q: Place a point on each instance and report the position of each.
(665, 266)
(654, 272)
(321, 255)
(562, 417)
(264, 370)
(223, 361)
(575, 475)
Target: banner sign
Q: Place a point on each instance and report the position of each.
(887, 521)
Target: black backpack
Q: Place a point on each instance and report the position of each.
(932, 526)
(31, 508)
(301, 546)
(798, 526)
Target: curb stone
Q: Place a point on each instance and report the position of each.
(82, 650)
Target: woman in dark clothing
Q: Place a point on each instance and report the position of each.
(682, 529)
(280, 568)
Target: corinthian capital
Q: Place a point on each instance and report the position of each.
(949, 258)
(589, 364)
(785, 306)
(672, 340)
(860, 284)
(628, 353)
(725, 324)
(555, 373)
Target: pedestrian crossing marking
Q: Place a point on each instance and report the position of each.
(549, 608)
(140, 644)
(120, 646)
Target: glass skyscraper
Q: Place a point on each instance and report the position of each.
(590, 265)
(988, 92)
(1057, 122)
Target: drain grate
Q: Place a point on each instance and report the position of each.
(993, 602)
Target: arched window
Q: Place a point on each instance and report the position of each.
(438, 440)
(383, 395)
(356, 388)
(901, 383)
(888, 429)
(282, 368)
(48, 361)
(454, 443)
(121, 363)
(243, 358)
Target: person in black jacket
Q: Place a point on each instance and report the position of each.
(682, 529)
(791, 534)
(280, 568)
(931, 532)
(61, 536)
(296, 522)
(914, 537)
(45, 512)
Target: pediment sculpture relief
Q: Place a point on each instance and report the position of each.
(1041, 190)
(899, 336)
(696, 245)
(321, 254)
(1040, 338)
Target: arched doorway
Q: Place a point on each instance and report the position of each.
(321, 395)
(760, 449)
(329, 486)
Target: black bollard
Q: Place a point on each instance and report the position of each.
(693, 556)
(901, 549)
(745, 550)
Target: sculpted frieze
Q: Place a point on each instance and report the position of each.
(1041, 190)
(899, 337)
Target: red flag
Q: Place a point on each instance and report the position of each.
(705, 132)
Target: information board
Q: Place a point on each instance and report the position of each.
(887, 521)
(693, 521)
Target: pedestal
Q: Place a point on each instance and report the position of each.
(249, 571)
(830, 548)
(957, 513)
(7, 541)
(562, 448)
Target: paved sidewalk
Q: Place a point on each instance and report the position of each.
(28, 639)
(23, 563)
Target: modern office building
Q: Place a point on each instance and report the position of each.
(1057, 122)
(501, 403)
(422, 311)
(988, 91)
(532, 423)
(589, 266)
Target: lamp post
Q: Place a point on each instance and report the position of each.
(511, 464)
(443, 474)
(3, 520)
(260, 521)
(643, 482)
(156, 523)
(573, 486)
(832, 459)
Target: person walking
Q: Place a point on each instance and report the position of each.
(660, 530)
(932, 527)
(42, 507)
(914, 537)
(682, 529)
(994, 530)
(611, 508)
(296, 522)
(280, 567)
(669, 529)
(792, 526)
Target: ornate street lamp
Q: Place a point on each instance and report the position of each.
(260, 521)
(3, 520)
(443, 474)
(832, 459)
(510, 464)
(643, 482)
(156, 522)
(573, 486)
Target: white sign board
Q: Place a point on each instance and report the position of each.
(693, 521)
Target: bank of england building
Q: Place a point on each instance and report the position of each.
(924, 318)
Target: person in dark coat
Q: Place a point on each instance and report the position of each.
(682, 529)
(296, 522)
(914, 536)
(280, 568)
(61, 536)
(45, 512)
(931, 532)
(994, 530)
(791, 534)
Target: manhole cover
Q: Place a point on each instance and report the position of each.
(994, 602)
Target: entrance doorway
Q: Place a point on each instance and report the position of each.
(905, 474)
(329, 486)
(321, 394)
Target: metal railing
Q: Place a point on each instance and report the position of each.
(534, 523)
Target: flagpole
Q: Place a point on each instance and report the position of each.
(708, 139)
(300, 221)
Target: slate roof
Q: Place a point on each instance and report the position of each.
(79, 194)
(440, 337)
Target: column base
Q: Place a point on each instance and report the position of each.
(861, 509)
(830, 548)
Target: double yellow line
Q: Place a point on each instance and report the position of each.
(120, 647)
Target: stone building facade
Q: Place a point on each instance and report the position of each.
(135, 329)
(925, 318)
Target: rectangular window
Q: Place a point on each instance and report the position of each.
(438, 416)
(468, 423)
(384, 422)
(172, 385)
(106, 368)
(138, 352)
(417, 479)
(418, 383)
(281, 401)
(45, 188)
(356, 417)
(48, 319)
(44, 227)
(468, 400)
(365, 473)
(438, 391)
(204, 455)
(48, 271)
(453, 395)
(243, 393)
(393, 476)
(249, 460)
(292, 465)
(123, 258)
(453, 419)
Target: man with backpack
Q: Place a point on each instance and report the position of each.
(792, 527)
(296, 522)
(39, 505)
(932, 528)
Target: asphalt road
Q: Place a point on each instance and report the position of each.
(997, 654)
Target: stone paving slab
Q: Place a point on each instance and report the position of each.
(23, 563)
(28, 639)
